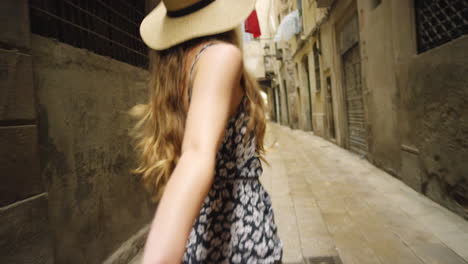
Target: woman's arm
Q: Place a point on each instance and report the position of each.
(217, 75)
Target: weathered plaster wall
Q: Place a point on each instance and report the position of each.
(417, 104)
(306, 95)
(253, 58)
(290, 78)
(311, 16)
(24, 225)
(378, 77)
(327, 65)
(434, 99)
(283, 97)
(95, 204)
(302, 87)
(263, 8)
(331, 62)
(318, 93)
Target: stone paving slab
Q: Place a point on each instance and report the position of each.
(337, 205)
(332, 207)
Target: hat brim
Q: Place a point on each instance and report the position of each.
(160, 32)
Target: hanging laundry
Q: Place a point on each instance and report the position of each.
(288, 27)
(252, 25)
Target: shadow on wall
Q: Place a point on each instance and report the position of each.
(95, 204)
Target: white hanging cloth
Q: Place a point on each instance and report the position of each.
(288, 27)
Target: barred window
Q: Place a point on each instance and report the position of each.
(440, 21)
(106, 27)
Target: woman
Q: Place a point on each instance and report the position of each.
(200, 139)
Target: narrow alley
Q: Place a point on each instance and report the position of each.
(330, 204)
(367, 128)
(332, 207)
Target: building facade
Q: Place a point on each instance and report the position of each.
(384, 79)
(70, 71)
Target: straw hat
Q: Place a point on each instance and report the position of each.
(175, 21)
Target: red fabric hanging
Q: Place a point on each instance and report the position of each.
(252, 25)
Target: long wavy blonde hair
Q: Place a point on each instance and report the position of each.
(159, 129)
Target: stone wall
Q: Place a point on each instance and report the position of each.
(379, 80)
(95, 204)
(24, 224)
(434, 114)
(67, 195)
(416, 104)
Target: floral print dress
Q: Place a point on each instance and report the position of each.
(236, 222)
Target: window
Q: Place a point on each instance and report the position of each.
(106, 27)
(440, 21)
(318, 81)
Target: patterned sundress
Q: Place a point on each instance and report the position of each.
(236, 222)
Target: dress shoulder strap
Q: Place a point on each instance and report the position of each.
(193, 66)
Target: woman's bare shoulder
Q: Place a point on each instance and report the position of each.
(224, 52)
(222, 59)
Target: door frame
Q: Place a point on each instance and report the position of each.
(340, 20)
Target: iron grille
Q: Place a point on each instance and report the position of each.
(440, 21)
(106, 27)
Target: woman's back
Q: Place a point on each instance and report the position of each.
(195, 160)
(236, 222)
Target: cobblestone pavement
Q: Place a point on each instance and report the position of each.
(331, 206)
